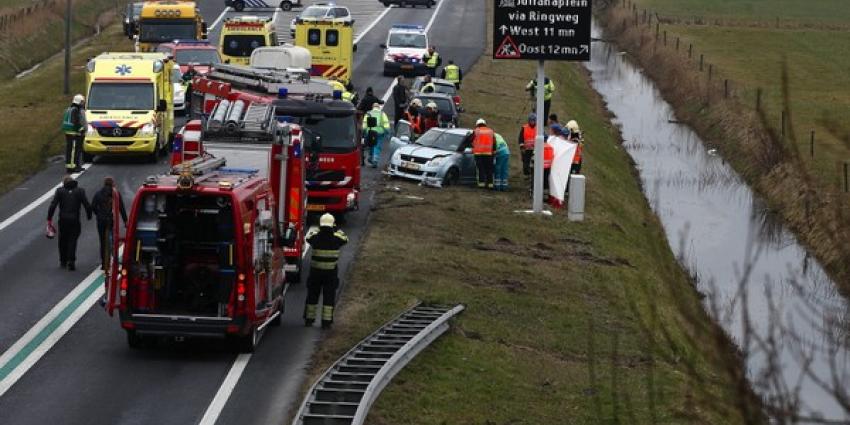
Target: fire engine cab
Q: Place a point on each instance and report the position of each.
(204, 251)
(334, 185)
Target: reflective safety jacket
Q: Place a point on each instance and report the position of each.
(428, 88)
(452, 73)
(433, 61)
(502, 148)
(325, 243)
(382, 120)
(483, 141)
(527, 136)
(548, 156)
(73, 120)
(548, 89)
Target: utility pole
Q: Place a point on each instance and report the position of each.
(537, 200)
(67, 83)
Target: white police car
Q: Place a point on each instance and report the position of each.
(405, 49)
(240, 5)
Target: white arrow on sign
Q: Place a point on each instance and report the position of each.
(504, 29)
(584, 48)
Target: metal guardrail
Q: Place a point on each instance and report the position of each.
(345, 392)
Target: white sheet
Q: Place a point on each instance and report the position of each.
(559, 174)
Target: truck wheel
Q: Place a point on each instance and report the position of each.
(135, 340)
(286, 6)
(238, 6)
(247, 343)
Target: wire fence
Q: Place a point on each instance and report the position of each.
(8, 19)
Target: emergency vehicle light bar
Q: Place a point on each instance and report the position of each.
(192, 42)
(408, 27)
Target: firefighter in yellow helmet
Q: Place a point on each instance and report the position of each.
(325, 243)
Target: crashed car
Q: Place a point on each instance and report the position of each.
(440, 157)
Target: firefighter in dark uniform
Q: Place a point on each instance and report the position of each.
(326, 244)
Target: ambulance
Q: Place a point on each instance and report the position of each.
(331, 45)
(167, 20)
(241, 35)
(130, 108)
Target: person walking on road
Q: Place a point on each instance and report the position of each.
(483, 147)
(74, 127)
(326, 243)
(368, 100)
(103, 204)
(503, 156)
(432, 61)
(377, 123)
(452, 73)
(399, 99)
(548, 92)
(69, 198)
(525, 139)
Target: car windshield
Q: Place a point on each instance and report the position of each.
(443, 105)
(416, 41)
(121, 96)
(242, 45)
(160, 31)
(446, 89)
(337, 133)
(314, 12)
(199, 56)
(441, 140)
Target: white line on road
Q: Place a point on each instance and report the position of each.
(220, 17)
(226, 389)
(34, 204)
(372, 25)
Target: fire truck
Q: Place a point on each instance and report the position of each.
(334, 186)
(204, 252)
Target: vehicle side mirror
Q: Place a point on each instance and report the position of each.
(204, 29)
(354, 48)
(162, 106)
(404, 139)
(382, 45)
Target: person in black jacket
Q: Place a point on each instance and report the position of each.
(326, 244)
(399, 99)
(69, 198)
(102, 206)
(368, 100)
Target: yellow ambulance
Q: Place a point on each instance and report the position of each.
(129, 104)
(164, 21)
(241, 35)
(331, 45)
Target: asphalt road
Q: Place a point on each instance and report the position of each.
(90, 376)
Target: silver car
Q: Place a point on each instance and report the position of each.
(440, 157)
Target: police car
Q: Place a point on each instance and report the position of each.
(405, 49)
(239, 5)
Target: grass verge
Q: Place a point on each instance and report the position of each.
(33, 105)
(803, 189)
(566, 323)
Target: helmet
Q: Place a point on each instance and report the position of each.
(532, 117)
(573, 126)
(376, 105)
(326, 220)
(431, 105)
(79, 99)
(416, 102)
(480, 122)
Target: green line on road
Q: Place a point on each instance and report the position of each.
(13, 363)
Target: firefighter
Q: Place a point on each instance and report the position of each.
(483, 147)
(326, 243)
(399, 99)
(102, 204)
(452, 73)
(430, 117)
(526, 138)
(74, 127)
(575, 136)
(414, 117)
(432, 61)
(503, 156)
(548, 92)
(69, 198)
(428, 85)
(378, 131)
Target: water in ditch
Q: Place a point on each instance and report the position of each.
(770, 295)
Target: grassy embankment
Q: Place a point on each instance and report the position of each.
(750, 43)
(566, 323)
(32, 109)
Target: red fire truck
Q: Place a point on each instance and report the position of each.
(204, 251)
(334, 186)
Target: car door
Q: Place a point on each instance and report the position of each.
(402, 129)
(468, 171)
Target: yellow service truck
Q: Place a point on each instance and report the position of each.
(129, 108)
(164, 21)
(241, 35)
(331, 45)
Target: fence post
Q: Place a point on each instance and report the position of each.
(665, 37)
(701, 56)
(677, 44)
(812, 145)
(726, 88)
(710, 69)
(690, 50)
(782, 130)
(846, 188)
(758, 99)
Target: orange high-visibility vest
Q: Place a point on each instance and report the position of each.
(548, 156)
(577, 157)
(483, 141)
(529, 134)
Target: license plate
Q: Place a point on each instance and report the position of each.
(410, 165)
(314, 207)
(407, 67)
(116, 149)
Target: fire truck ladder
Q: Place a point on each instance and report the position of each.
(242, 120)
(345, 392)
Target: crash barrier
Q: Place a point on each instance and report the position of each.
(575, 203)
(345, 392)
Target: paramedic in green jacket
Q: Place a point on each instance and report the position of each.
(503, 155)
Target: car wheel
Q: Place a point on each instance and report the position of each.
(402, 4)
(285, 6)
(428, 4)
(238, 6)
(452, 177)
(387, 4)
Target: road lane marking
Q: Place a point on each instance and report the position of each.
(42, 199)
(34, 344)
(226, 389)
(220, 17)
(372, 25)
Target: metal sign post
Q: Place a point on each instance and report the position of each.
(541, 30)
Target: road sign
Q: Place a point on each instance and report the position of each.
(542, 30)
